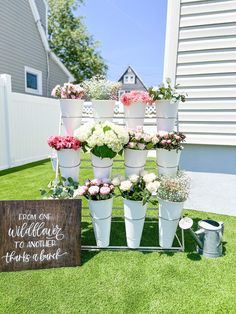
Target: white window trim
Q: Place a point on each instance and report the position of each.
(38, 91)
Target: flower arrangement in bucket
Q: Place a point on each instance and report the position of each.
(104, 140)
(136, 150)
(172, 194)
(168, 148)
(68, 91)
(137, 192)
(134, 106)
(71, 104)
(103, 94)
(99, 194)
(68, 154)
(166, 98)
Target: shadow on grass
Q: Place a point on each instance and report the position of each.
(27, 166)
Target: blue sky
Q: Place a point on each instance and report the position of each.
(131, 32)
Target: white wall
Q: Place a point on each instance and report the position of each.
(200, 55)
(26, 122)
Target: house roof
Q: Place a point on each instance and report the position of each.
(45, 40)
(130, 67)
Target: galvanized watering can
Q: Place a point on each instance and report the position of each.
(208, 237)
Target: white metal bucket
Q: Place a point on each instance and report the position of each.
(134, 212)
(166, 115)
(169, 215)
(71, 112)
(69, 163)
(103, 110)
(102, 167)
(135, 161)
(134, 115)
(101, 217)
(167, 161)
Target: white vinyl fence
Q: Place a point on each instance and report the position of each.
(26, 122)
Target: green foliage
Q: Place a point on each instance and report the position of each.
(103, 151)
(166, 92)
(71, 42)
(62, 189)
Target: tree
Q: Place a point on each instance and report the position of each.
(71, 42)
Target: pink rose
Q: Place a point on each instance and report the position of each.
(82, 190)
(93, 190)
(168, 141)
(105, 190)
(96, 182)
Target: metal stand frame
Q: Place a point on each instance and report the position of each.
(180, 240)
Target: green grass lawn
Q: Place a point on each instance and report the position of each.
(119, 282)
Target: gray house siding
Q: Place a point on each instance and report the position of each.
(56, 76)
(138, 85)
(21, 44)
(42, 12)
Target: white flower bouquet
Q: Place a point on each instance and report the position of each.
(98, 88)
(103, 139)
(138, 188)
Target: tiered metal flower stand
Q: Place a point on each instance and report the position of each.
(179, 242)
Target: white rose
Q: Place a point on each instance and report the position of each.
(149, 177)
(115, 181)
(152, 187)
(125, 185)
(147, 138)
(141, 146)
(155, 140)
(134, 178)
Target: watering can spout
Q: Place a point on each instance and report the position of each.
(197, 236)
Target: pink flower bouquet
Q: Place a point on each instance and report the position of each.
(68, 91)
(96, 190)
(135, 96)
(64, 142)
(139, 140)
(168, 141)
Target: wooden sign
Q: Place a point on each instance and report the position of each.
(39, 234)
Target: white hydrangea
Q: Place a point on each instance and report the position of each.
(125, 185)
(84, 132)
(149, 177)
(152, 187)
(98, 134)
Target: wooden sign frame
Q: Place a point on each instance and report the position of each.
(37, 234)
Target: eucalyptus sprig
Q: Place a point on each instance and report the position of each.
(62, 189)
(166, 92)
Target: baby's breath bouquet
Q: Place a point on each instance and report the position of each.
(98, 88)
(103, 139)
(174, 189)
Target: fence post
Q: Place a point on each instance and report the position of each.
(6, 80)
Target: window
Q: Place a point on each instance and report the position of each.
(33, 81)
(129, 79)
(121, 92)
